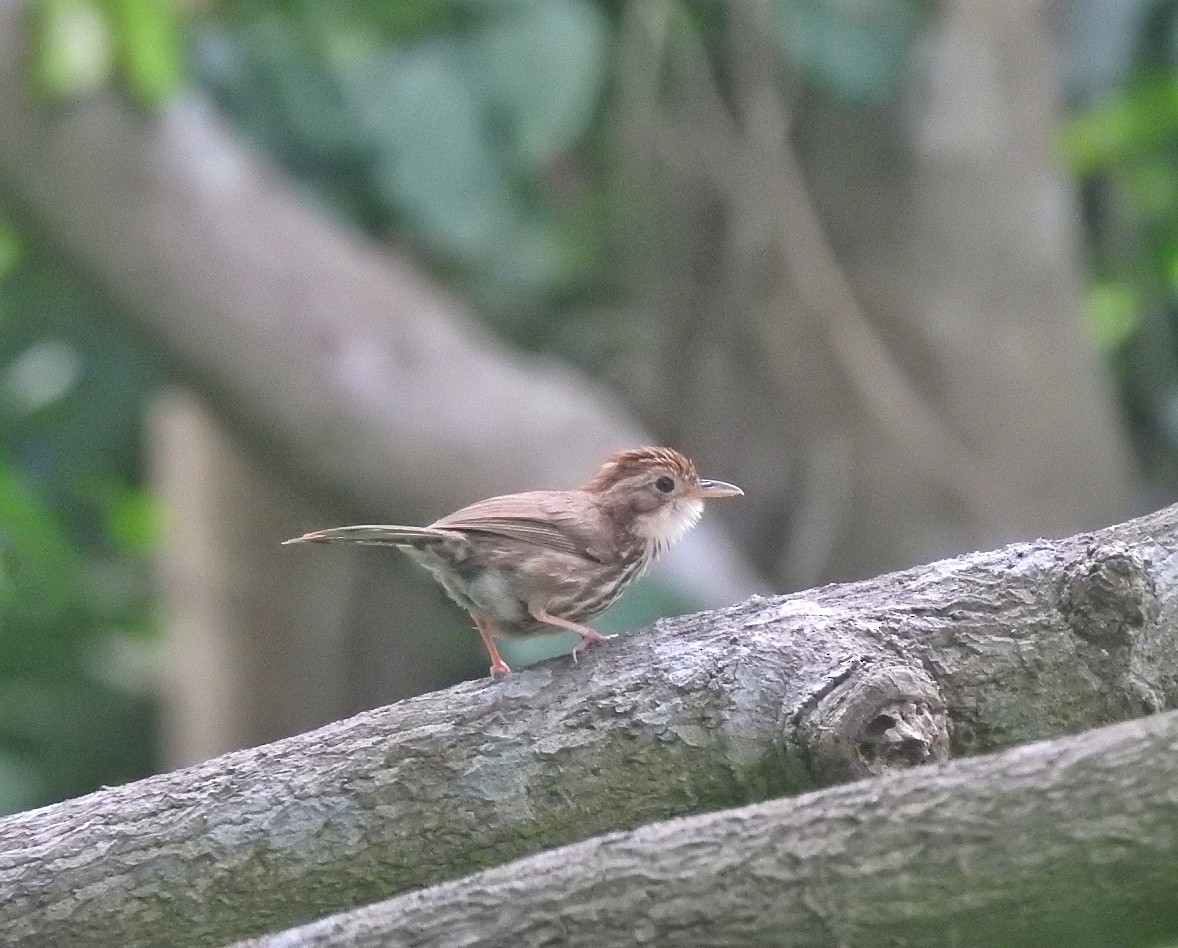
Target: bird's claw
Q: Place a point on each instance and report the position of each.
(588, 641)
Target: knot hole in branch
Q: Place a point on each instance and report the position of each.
(1108, 594)
(874, 720)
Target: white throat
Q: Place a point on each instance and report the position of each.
(664, 526)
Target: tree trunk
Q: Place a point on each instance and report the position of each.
(874, 310)
(1070, 842)
(771, 697)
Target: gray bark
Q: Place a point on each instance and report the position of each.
(1070, 842)
(337, 359)
(767, 698)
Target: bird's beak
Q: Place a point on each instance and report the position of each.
(710, 490)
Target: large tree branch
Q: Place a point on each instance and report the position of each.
(1068, 842)
(766, 698)
(336, 358)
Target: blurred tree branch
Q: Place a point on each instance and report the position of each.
(335, 360)
(864, 287)
(718, 709)
(1067, 842)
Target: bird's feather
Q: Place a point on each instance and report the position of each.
(639, 461)
(565, 521)
(376, 535)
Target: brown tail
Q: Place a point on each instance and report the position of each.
(375, 535)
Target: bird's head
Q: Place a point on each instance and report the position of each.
(658, 491)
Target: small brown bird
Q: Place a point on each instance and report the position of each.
(547, 560)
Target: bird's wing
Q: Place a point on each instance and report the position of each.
(556, 520)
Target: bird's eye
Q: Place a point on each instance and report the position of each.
(665, 484)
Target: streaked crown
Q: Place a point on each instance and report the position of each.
(626, 464)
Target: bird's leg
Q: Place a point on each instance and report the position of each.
(589, 637)
(499, 668)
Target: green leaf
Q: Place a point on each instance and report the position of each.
(437, 164)
(72, 47)
(539, 69)
(133, 520)
(1172, 270)
(1113, 312)
(531, 258)
(1136, 122)
(150, 47)
(854, 51)
(11, 248)
(27, 523)
(1153, 188)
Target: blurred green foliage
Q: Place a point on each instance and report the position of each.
(852, 51)
(79, 44)
(1124, 151)
(442, 122)
(75, 534)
